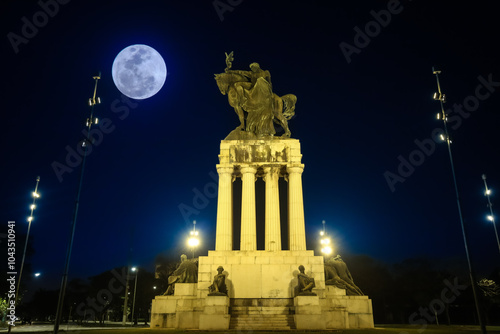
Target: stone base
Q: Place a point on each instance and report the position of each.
(215, 315)
(260, 274)
(272, 278)
(343, 311)
(182, 310)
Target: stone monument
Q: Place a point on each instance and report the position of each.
(262, 287)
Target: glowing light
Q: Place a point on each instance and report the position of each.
(326, 250)
(488, 192)
(193, 242)
(37, 274)
(490, 218)
(322, 233)
(133, 269)
(442, 137)
(30, 218)
(32, 206)
(438, 116)
(36, 195)
(154, 287)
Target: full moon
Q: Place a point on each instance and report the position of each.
(139, 71)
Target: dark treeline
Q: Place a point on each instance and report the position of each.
(424, 291)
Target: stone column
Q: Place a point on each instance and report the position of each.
(248, 221)
(224, 230)
(296, 225)
(273, 230)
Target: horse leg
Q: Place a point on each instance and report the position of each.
(234, 102)
(241, 116)
(284, 124)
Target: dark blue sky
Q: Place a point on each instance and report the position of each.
(354, 117)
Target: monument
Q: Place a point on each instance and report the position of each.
(240, 286)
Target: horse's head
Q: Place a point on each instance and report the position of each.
(222, 82)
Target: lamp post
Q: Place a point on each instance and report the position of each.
(136, 271)
(85, 144)
(326, 248)
(193, 240)
(491, 216)
(439, 96)
(125, 302)
(35, 195)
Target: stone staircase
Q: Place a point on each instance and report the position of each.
(261, 314)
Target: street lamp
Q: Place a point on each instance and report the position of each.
(35, 195)
(446, 137)
(193, 240)
(134, 269)
(93, 101)
(490, 217)
(326, 247)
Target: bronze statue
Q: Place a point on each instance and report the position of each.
(306, 283)
(336, 273)
(250, 94)
(218, 287)
(187, 272)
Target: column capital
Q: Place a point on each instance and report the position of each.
(270, 170)
(225, 169)
(295, 169)
(248, 169)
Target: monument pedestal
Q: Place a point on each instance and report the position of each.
(215, 315)
(182, 310)
(261, 274)
(262, 285)
(308, 314)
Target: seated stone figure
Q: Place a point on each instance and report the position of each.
(306, 283)
(336, 273)
(187, 272)
(218, 287)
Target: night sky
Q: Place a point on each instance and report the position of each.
(359, 114)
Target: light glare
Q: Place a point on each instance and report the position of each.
(326, 250)
(490, 218)
(30, 218)
(193, 242)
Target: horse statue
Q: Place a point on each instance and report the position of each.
(250, 94)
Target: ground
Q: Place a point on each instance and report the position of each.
(379, 329)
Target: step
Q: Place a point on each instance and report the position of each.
(259, 322)
(278, 310)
